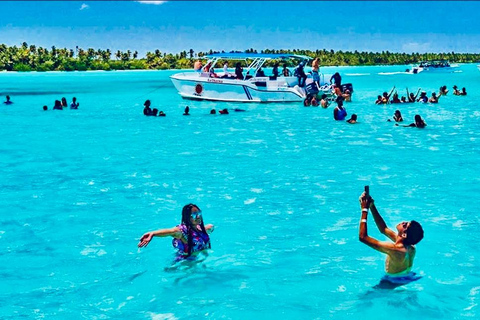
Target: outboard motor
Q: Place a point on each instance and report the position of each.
(347, 86)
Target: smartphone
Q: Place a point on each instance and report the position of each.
(367, 191)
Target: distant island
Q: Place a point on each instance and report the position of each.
(32, 58)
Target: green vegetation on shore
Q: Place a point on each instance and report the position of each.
(32, 58)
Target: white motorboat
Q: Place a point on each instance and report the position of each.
(246, 85)
(414, 70)
(438, 65)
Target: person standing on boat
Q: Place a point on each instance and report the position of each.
(300, 74)
(239, 71)
(275, 72)
(337, 79)
(197, 66)
(225, 70)
(286, 72)
(260, 73)
(400, 252)
(315, 70)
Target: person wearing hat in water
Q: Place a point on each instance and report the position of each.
(423, 97)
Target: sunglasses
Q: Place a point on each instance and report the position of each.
(196, 215)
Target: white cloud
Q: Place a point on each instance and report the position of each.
(417, 47)
(152, 2)
(84, 6)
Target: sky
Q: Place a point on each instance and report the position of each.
(175, 26)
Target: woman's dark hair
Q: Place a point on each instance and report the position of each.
(186, 212)
(414, 233)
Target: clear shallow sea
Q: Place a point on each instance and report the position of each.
(280, 183)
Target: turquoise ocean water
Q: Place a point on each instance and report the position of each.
(279, 181)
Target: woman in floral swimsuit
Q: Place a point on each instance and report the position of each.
(189, 238)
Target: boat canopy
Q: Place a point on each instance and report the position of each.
(258, 59)
(264, 56)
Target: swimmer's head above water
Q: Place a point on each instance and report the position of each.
(411, 232)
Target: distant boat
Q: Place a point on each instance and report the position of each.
(438, 65)
(414, 70)
(478, 66)
(225, 86)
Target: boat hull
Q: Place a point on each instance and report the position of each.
(218, 89)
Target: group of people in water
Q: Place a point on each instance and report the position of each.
(339, 96)
(411, 97)
(148, 111)
(62, 104)
(58, 104)
(192, 237)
